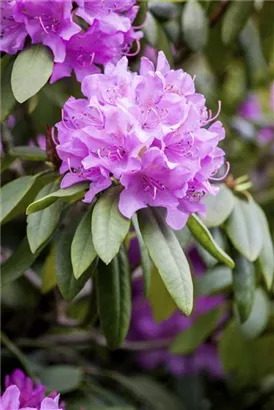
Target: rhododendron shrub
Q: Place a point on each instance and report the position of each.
(150, 131)
(137, 257)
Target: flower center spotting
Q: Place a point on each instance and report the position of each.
(151, 186)
(48, 22)
(83, 58)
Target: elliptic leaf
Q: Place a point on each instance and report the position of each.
(219, 207)
(204, 237)
(29, 153)
(82, 250)
(244, 286)
(244, 229)
(113, 286)
(195, 25)
(109, 226)
(31, 71)
(189, 340)
(42, 224)
(235, 19)
(168, 256)
(74, 192)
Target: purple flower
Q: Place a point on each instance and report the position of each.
(22, 394)
(150, 131)
(144, 328)
(48, 22)
(13, 33)
(251, 110)
(85, 50)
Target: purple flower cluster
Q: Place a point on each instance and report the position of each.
(108, 33)
(150, 131)
(144, 328)
(251, 110)
(22, 394)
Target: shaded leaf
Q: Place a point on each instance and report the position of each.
(68, 285)
(31, 71)
(49, 271)
(29, 153)
(244, 286)
(195, 25)
(113, 286)
(82, 250)
(266, 256)
(204, 237)
(215, 280)
(244, 229)
(63, 378)
(234, 20)
(218, 207)
(21, 259)
(259, 315)
(189, 340)
(109, 226)
(157, 294)
(74, 192)
(145, 259)
(7, 98)
(266, 29)
(41, 225)
(168, 256)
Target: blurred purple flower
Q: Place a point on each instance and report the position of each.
(41, 142)
(22, 394)
(144, 328)
(251, 110)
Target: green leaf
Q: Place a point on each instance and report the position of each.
(266, 29)
(157, 294)
(113, 286)
(156, 36)
(68, 285)
(21, 259)
(17, 194)
(68, 194)
(216, 280)
(49, 271)
(237, 355)
(29, 153)
(7, 98)
(189, 340)
(204, 237)
(266, 256)
(31, 71)
(82, 249)
(195, 25)
(259, 315)
(244, 283)
(145, 259)
(168, 256)
(42, 224)
(6, 160)
(219, 207)
(256, 67)
(209, 260)
(150, 393)
(244, 229)
(109, 226)
(183, 236)
(61, 378)
(234, 20)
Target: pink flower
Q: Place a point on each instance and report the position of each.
(22, 394)
(150, 131)
(48, 22)
(13, 33)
